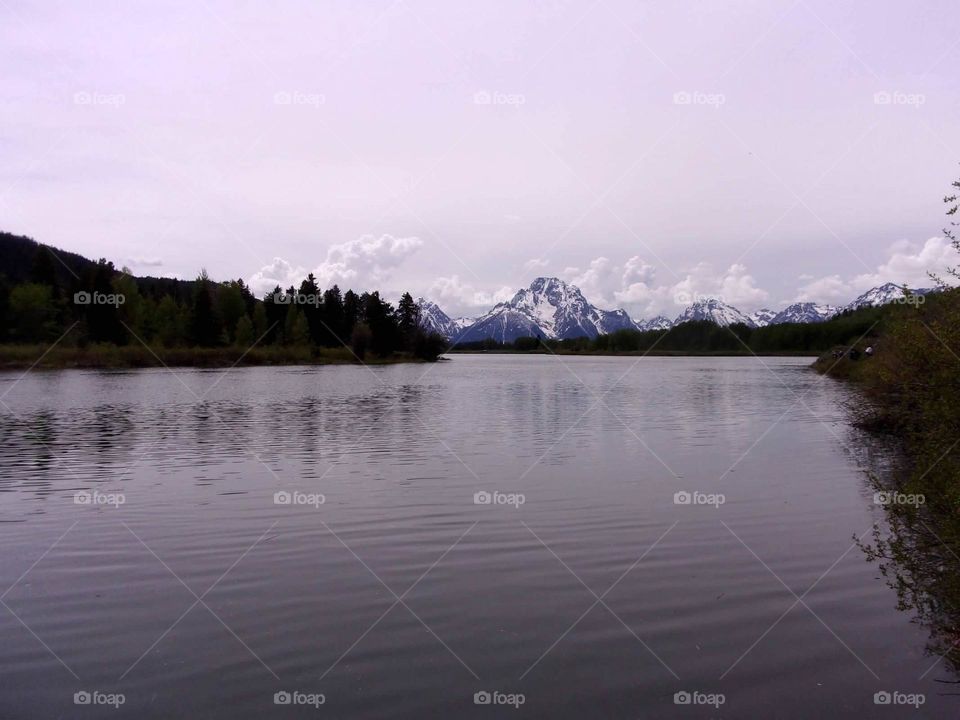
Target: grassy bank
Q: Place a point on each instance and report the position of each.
(138, 356)
(910, 393)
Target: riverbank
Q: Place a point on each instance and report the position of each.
(22, 357)
(909, 391)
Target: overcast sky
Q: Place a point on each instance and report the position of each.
(764, 151)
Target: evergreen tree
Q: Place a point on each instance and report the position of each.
(33, 313)
(408, 319)
(243, 333)
(103, 317)
(333, 314)
(310, 294)
(204, 328)
(231, 306)
(170, 322)
(260, 322)
(352, 312)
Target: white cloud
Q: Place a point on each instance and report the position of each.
(361, 264)
(364, 263)
(633, 287)
(597, 281)
(279, 272)
(908, 265)
(457, 297)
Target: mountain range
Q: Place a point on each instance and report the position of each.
(553, 309)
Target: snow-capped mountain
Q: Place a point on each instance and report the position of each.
(882, 295)
(657, 323)
(762, 318)
(433, 319)
(549, 308)
(715, 311)
(804, 312)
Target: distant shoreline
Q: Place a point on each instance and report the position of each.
(24, 357)
(642, 353)
(41, 357)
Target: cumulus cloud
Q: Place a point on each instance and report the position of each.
(361, 264)
(456, 296)
(279, 272)
(366, 262)
(633, 286)
(909, 264)
(597, 281)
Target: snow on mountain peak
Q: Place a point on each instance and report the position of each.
(716, 311)
(549, 308)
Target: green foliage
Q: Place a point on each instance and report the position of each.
(243, 333)
(32, 313)
(360, 340)
(51, 291)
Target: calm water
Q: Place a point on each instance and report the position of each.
(592, 595)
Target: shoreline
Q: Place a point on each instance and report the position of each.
(41, 357)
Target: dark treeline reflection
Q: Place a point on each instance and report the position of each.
(915, 550)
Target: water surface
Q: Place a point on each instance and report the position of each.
(399, 596)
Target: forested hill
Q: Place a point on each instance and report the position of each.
(48, 294)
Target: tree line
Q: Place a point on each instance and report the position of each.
(94, 303)
(703, 336)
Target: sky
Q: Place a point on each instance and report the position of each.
(759, 151)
